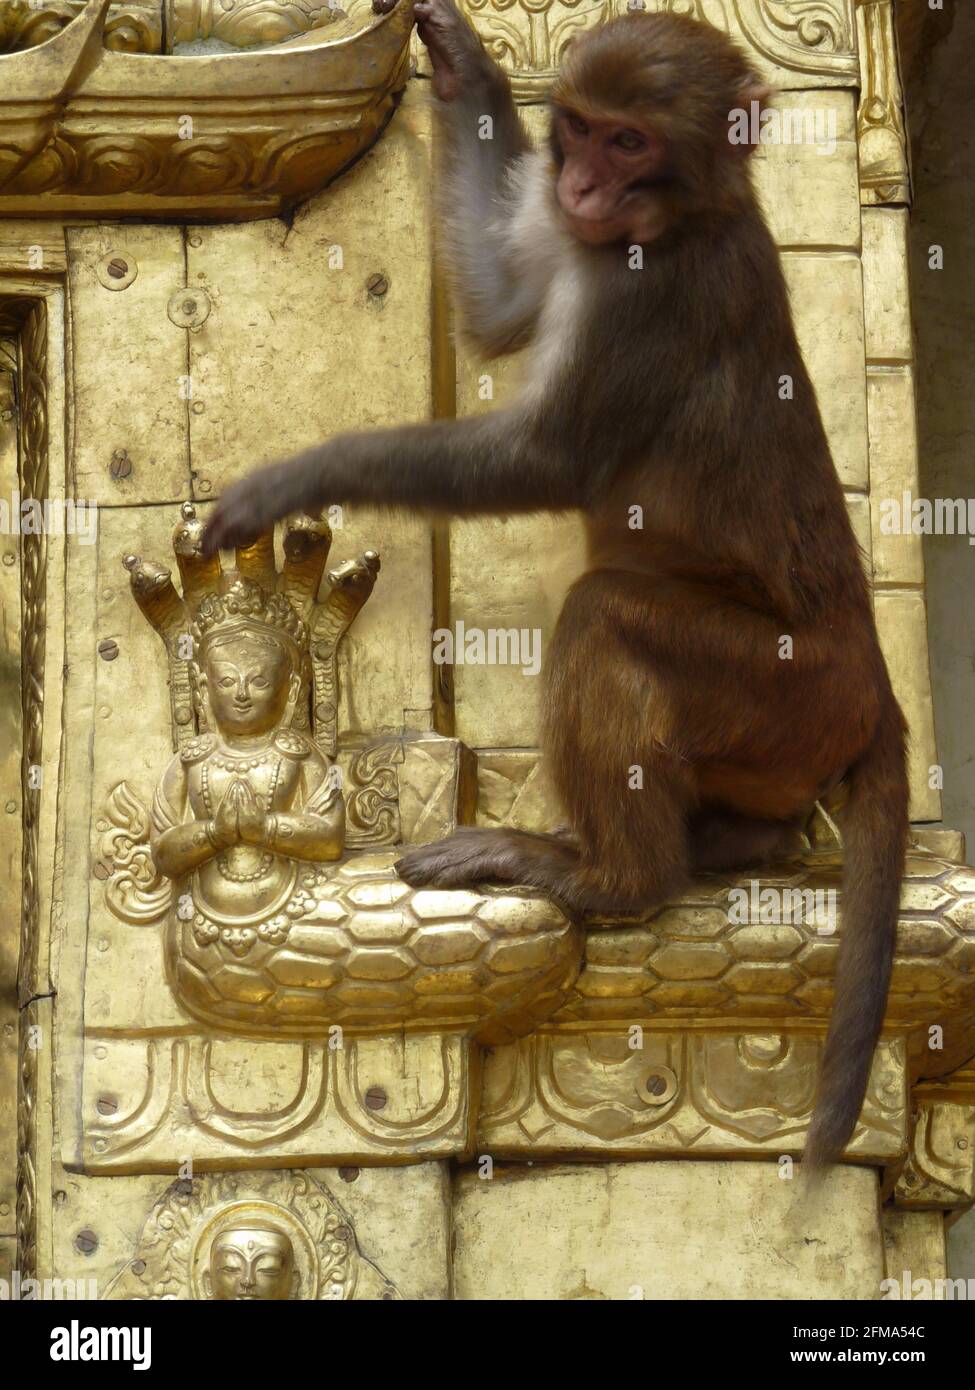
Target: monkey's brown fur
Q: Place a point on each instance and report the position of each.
(655, 388)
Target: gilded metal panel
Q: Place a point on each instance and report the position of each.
(664, 1230)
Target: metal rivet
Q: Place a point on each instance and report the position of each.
(9, 557)
(962, 1144)
(121, 464)
(204, 484)
(60, 1197)
(106, 1105)
(377, 285)
(116, 272)
(10, 807)
(658, 1086)
(376, 1098)
(198, 407)
(102, 869)
(108, 649)
(196, 241)
(349, 1174)
(138, 1266)
(189, 308)
(86, 1242)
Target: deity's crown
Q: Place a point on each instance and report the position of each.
(253, 596)
(246, 607)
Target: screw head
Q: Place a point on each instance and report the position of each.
(117, 268)
(376, 1098)
(377, 285)
(121, 464)
(106, 1105)
(349, 1173)
(86, 1242)
(108, 649)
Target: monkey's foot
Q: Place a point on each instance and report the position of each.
(462, 859)
(488, 856)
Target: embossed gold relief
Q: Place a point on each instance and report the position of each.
(884, 174)
(154, 26)
(259, 1237)
(795, 42)
(132, 26)
(230, 135)
(559, 1094)
(245, 22)
(262, 936)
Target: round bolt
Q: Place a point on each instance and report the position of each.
(377, 285)
(117, 268)
(121, 464)
(108, 649)
(102, 869)
(376, 1098)
(656, 1085)
(342, 1233)
(9, 557)
(138, 1266)
(349, 1174)
(106, 1105)
(10, 807)
(86, 1242)
(961, 1144)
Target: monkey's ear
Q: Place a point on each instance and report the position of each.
(745, 120)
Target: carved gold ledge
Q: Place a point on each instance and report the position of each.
(686, 1034)
(85, 129)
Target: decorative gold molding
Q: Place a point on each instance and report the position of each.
(797, 43)
(940, 1170)
(882, 138)
(84, 129)
(634, 1092)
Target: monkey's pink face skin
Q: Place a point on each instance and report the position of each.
(606, 185)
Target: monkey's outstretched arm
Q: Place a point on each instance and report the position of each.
(481, 142)
(488, 464)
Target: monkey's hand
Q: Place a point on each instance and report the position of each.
(455, 50)
(252, 505)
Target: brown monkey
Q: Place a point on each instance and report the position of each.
(633, 256)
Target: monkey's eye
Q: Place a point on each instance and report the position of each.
(630, 141)
(576, 124)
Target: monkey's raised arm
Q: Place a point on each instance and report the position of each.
(490, 464)
(481, 143)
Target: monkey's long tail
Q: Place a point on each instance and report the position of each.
(875, 830)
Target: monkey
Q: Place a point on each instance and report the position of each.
(721, 638)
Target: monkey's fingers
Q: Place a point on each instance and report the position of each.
(252, 505)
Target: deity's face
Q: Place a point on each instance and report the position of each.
(249, 1262)
(248, 683)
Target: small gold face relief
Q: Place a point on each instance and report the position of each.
(248, 682)
(250, 1262)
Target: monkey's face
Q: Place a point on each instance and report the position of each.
(611, 177)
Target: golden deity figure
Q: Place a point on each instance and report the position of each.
(252, 1262)
(252, 794)
(240, 807)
